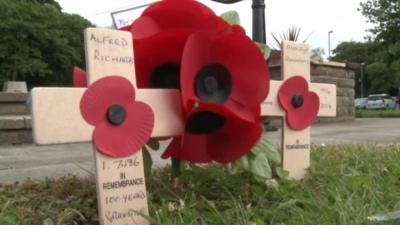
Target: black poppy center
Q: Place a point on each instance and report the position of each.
(204, 123)
(297, 101)
(213, 83)
(116, 114)
(166, 75)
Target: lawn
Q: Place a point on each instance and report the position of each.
(369, 113)
(345, 185)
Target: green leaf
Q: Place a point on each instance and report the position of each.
(48, 221)
(244, 162)
(232, 17)
(281, 173)
(259, 159)
(147, 162)
(265, 49)
(259, 166)
(154, 144)
(270, 150)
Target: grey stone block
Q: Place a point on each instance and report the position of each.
(347, 92)
(346, 83)
(14, 109)
(13, 97)
(12, 122)
(28, 122)
(15, 87)
(15, 136)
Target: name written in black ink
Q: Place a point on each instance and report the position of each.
(112, 216)
(115, 59)
(109, 40)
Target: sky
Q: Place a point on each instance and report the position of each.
(315, 17)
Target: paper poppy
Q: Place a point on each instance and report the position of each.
(225, 68)
(160, 35)
(122, 125)
(300, 104)
(221, 95)
(183, 14)
(234, 138)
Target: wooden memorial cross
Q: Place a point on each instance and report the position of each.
(295, 147)
(57, 119)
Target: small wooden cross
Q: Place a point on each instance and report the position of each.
(57, 119)
(295, 147)
(121, 189)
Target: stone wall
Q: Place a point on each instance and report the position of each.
(15, 119)
(331, 73)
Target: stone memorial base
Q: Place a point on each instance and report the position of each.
(15, 119)
(15, 87)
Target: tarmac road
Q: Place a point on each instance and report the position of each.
(19, 162)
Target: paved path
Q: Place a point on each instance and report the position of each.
(17, 163)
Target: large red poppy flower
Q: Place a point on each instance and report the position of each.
(225, 68)
(221, 95)
(160, 35)
(300, 104)
(122, 125)
(234, 138)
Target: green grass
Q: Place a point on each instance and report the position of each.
(345, 185)
(368, 113)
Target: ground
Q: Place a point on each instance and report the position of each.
(17, 163)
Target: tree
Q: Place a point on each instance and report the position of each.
(353, 52)
(385, 14)
(39, 43)
(317, 54)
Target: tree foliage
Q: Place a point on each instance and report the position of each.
(385, 14)
(381, 53)
(39, 43)
(317, 54)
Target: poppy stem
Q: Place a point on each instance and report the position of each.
(175, 167)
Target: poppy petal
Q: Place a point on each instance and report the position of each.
(228, 145)
(129, 137)
(159, 50)
(172, 148)
(303, 117)
(223, 145)
(249, 75)
(172, 14)
(292, 86)
(79, 79)
(192, 149)
(102, 94)
(143, 27)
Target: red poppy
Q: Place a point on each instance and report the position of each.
(226, 68)
(183, 14)
(221, 94)
(300, 104)
(234, 138)
(160, 35)
(122, 125)
(79, 78)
